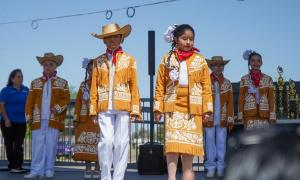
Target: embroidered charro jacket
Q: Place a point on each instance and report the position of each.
(60, 99)
(200, 97)
(125, 88)
(226, 96)
(81, 112)
(248, 106)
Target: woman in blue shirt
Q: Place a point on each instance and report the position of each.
(13, 123)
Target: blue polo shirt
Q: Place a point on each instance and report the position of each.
(15, 101)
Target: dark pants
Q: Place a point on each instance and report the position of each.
(13, 140)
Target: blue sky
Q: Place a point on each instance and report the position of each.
(223, 27)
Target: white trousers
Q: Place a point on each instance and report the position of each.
(215, 148)
(114, 144)
(44, 144)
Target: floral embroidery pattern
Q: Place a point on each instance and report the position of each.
(264, 103)
(182, 128)
(37, 84)
(197, 63)
(87, 142)
(196, 94)
(257, 124)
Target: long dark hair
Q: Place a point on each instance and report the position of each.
(179, 31)
(86, 73)
(12, 75)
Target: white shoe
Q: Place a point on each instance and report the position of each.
(18, 170)
(210, 173)
(49, 175)
(220, 173)
(87, 174)
(32, 176)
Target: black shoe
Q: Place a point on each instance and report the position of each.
(19, 170)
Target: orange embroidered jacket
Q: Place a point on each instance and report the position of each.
(125, 88)
(60, 99)
(199, 84)
(81, 112)
(226, 95)
(248, 106)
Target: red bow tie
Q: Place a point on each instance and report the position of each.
(183, 55)
(46, 77)
(114, 53)
(215, 78)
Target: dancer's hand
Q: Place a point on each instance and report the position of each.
(7, 123)
(206, 117)
(157, 116)
(54, 111)
(133, 118)
(95, 119)
(230, 126)
(75, 124)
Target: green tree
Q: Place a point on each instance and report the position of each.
(73, 92)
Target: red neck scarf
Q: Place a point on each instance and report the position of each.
(184, 55)
(114, 53)
(256, 77)
(215, 78)
(46, 77)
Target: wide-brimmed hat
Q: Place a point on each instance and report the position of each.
(49, 56)
(217, 60)
(113, 29)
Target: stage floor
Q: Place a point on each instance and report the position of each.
(77, 174)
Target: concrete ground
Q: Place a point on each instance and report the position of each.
(76, 173)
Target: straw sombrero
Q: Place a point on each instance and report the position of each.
(113, 29)
(216, 60)
(49, 56)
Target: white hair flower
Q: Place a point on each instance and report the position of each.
(247, 54)
(168, 35)
(85, 62)
(174, 75)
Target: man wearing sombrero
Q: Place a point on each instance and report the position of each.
(45, 113)
(216, 129)
(114, 100)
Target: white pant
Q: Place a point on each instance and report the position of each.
(215, 148)
(44, 144)
(114, 144)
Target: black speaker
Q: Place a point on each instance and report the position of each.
(151, 159)
(151, 53)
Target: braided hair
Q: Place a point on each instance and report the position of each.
(178, 31)
(86, 74)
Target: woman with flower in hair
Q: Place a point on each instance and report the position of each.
(256, 97)
(183, 96)
(86, 132)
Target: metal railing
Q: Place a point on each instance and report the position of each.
(140, 134)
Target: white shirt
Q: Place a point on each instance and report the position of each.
(111, 81)
(46, 100)
(111, 85)
(183, 74)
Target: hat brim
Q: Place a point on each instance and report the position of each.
(124, 31)
(57, 59)
(212, 62)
